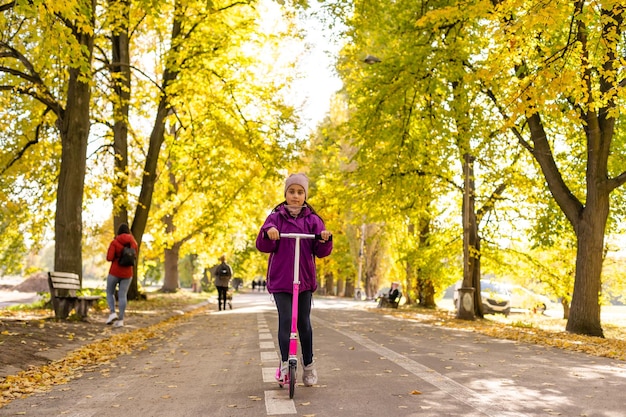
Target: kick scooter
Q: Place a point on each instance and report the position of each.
(291, 377)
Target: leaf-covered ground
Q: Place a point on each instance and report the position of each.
(529, 328)
(37, 351)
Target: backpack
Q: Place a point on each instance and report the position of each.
(128, 256)
(223, 271)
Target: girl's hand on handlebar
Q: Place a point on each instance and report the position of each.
(326, 235)
(273, 233)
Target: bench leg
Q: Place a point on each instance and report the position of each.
(65, 306)
(56, 307)
(82, 308)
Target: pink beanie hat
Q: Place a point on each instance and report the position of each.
(299, 179)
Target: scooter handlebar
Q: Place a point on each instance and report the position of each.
(301, 236)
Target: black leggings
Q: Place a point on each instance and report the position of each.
(222, 292)
(305, 330)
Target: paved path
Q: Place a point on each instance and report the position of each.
(222, 364)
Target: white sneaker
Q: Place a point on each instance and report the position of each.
(112, 318)
(309, 375)
(119, 323)
(282, 373)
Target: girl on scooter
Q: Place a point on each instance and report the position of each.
(294, 215)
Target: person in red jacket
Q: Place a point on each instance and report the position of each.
(119, 275)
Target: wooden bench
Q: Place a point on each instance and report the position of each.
(63, 287)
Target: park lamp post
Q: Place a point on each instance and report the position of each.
(358, 292)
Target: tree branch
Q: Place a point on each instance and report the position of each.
(7, 6)
(618, 181)
(28, 144)
(41, 92)
(49, 102)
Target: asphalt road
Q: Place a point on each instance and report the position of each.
(222, 364)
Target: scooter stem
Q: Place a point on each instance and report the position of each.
(293, 337)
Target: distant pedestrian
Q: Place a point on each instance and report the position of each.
(222, 273)
(294, 215)
(392, 297)
(119, 275)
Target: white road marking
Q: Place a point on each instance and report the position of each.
(278, 402)
(267, 345)
(269, 375)
(269, 357)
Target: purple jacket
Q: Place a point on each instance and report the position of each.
(280, 264)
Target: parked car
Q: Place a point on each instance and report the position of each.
(525, 299)
(495, 297)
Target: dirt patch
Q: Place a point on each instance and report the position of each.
(29, 342)
(34, 283)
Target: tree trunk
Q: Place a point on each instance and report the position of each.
(170, 281)
(598, 107)
(157, 136)
(565, 305)
(361, 258)
(588, 221)
(411, 284)
(140, 220)
(476, 275)
(584, 315)
(340, 287)
(426, 285)
(68, 230)
(349, 289)
(120, 71)
(427, 294)
(329, 284)
(74, 128)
